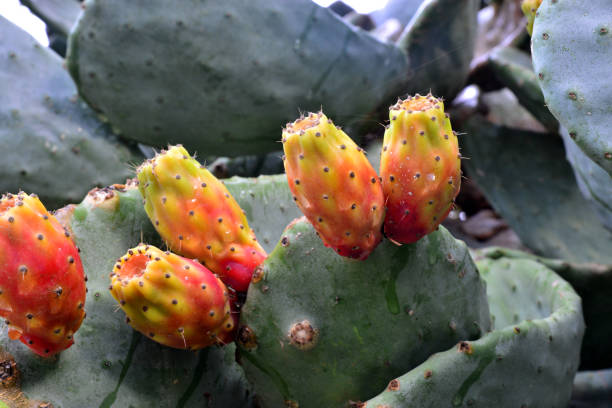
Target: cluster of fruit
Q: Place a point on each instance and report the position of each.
(337, 189)
(190, 298)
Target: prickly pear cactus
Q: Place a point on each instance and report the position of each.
(334, 185)
(527, 180)
(420, 168)
(268, 205)
(106, 224)
(538, 329)
(593, 282)
(318, 329)
(592, 389)
(594, 182)
(572, 53)
(303, 55)
(42, 284)
(119, 365)
(58, 148)
(197, 217)
(442, 34)
(298, 37)
(173, 300)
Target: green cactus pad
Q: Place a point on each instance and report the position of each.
(222, 77)
(592, 389)
(593, 282)
(512, 68)
(528, 361)
(268, 204)
(527, 180)
(110, 364)
(248, 64)
(319, 330)
(247, 166)
(572, 55)
(439, 42)
(54, 145)
(594, 182)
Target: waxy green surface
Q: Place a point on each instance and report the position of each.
(526, 178)
(54, 144)
(375, 319)
(529, 359)
(223, 77)
(572, 54)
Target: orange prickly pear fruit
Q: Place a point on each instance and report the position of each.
(42, 284)
(420, 168)
(172, 300)
(198, 218)
(334, 185)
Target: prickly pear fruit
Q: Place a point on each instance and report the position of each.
(198, 218)
(42, 284)
(420, 167)
(334, 185)
(530, 8)
(172, 300)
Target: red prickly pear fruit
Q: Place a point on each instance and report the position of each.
(172, 300)
(198, 218)
(530, 8)
(420, 167)
(42, 284)
(334, 185)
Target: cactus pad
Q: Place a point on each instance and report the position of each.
(513, 69)
(319, 329)
(55, 145)
(527, 180)
(196, 71)
(529, 360)
(572, 55)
